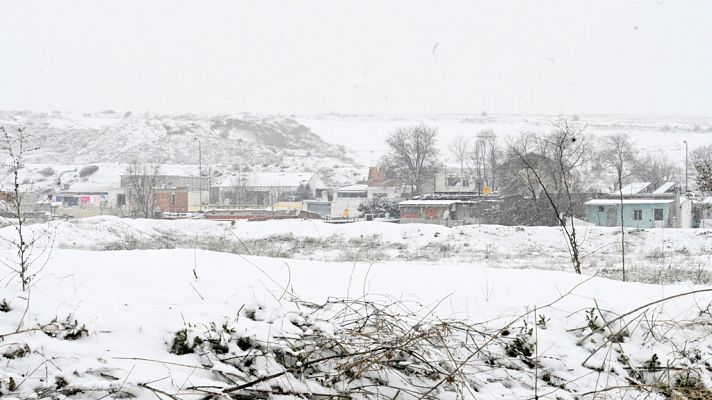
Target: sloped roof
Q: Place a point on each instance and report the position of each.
(665, 187)
(635, 187)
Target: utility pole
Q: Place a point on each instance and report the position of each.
(200, 172)
(685, 141)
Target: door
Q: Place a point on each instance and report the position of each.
(611, 217)
(658, 218)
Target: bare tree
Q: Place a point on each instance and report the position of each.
(16, 147)
(239, 189)
(459, 149)
(140, 188)
(656, 169)
(618, 154)
(413, 156)
(559, 154)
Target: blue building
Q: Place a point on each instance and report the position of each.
(661, 208)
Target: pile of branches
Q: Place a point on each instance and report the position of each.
(363, 349)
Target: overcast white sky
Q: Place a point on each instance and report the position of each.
(648, 57)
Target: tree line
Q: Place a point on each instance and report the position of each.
(503, 165)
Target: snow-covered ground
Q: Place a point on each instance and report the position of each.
(467, 312)
(653, 255)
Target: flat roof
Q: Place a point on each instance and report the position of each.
(427, 202)
(613, 202)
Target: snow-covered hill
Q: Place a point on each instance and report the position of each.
(236, 141)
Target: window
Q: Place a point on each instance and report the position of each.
(600, 208)
(658, 214)
(410, 211)
(637, 215)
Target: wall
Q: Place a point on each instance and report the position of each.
(685, 213)
(171, 200)
(194, 199)
(340, 204)
(601, 218)
(390, 192)
(323, 208)
(423, 214)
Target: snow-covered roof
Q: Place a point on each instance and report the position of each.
(267, 179)
(612, 202)
(635, 187)
(360, 187)
(427, 202)
(664, 188)
(90, 187)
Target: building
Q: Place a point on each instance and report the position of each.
(251, 214)
(171, 200)
(264, 189)
(379, 185)
(347, 199)
(455, 181)
(319, 207)
(450, 212)
(195, 187)
(32, 204)
(87, 199)
(643, 206)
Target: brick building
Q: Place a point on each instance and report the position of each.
(171, 200)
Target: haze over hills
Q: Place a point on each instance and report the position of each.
(242, 141)
(651, 134)
(338, 146)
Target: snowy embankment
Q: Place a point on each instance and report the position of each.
(186, 323)
(653, 255)
(128, 323)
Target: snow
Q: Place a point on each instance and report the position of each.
(361, 187)
(264, 179)
(428, 202)
(133, 302)
(651, 134)
(607, 202)
(664, 188)
(635, 187)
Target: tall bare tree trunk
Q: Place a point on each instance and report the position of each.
(620, 190)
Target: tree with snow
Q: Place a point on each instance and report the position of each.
(702, 161)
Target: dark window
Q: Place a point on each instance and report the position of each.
(352, 195)
(638, 215)
(410, 210)
(658, 214)
(600, 208)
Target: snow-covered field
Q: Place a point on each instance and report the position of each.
(477, 318)
(653, 255)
